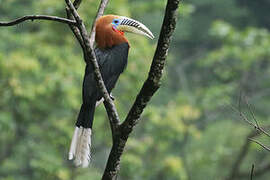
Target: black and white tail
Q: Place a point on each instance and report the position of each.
(81, 140)
(80, 146)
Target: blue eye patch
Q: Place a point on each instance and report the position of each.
(116, 22)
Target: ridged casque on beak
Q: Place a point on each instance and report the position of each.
(130, 25)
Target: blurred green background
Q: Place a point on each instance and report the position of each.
(187, 132)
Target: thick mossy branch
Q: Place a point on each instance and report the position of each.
(152, 83)
(150, 86)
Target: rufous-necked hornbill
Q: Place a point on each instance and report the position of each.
(112, 54)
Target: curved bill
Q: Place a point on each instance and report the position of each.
(133, 26)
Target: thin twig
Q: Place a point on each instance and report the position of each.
(251, 112)
(75, 30)
(252, 172)
(261, 144)
(241, 156)
(243, 116)
(255, 125)
(100, 12)
(260, 171)
(103, 4)
(239, 102)
(38, 17)
(254, 118)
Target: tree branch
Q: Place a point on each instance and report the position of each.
(77, 34)
(90, 58)
(240, 157)
(261, 144)
(100, 12)
(110, 108)
(259, 171)
(252, 172)
(38, 17)
(150, 86)
(255, 125)
(152, 83)
(259, 131)
(77, 3)
(74, 29)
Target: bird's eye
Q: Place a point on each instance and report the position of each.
(116, 21)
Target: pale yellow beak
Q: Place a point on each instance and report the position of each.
(130, 25)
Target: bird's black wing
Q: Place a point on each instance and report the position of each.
(112, 63)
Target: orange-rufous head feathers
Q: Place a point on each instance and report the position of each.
(110, 30)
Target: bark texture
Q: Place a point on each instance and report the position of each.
(150, 86)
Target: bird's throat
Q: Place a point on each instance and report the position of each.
(118, 31)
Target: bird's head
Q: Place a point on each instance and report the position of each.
(110, 30)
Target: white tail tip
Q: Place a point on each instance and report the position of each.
(80, 146)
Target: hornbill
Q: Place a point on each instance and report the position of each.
(112, 54)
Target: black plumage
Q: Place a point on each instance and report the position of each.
(112, 62)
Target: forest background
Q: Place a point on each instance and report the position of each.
(189, 131)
